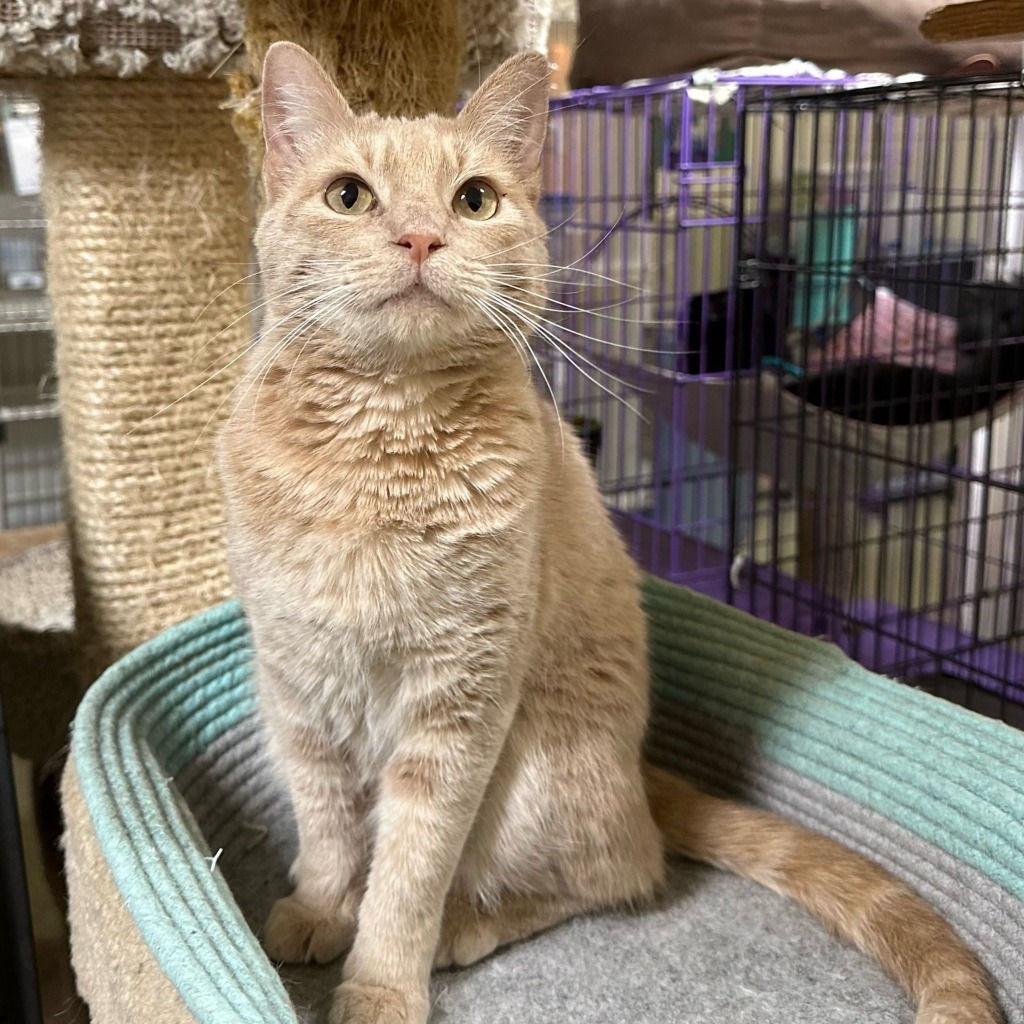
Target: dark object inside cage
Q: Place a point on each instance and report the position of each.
(885, 419)
(588, 430)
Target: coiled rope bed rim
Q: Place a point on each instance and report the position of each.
(739, 705)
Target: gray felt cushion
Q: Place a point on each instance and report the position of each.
(717, 948)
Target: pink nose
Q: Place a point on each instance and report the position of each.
(420, 246)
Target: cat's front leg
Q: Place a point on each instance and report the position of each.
(317, 921)
(430, 792)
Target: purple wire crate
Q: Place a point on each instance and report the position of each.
(766, 324)
(642, 198)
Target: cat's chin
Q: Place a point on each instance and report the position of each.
(414, 332)
(422, 319)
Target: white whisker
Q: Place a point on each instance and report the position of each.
(591, 337)
(535, 238)
(309, 304)
(569, 355)
(492, 314)
(557, 269)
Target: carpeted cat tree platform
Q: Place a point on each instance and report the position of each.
(179, 841)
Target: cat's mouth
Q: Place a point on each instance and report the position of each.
(416, 294)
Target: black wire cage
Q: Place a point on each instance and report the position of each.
(883, 233)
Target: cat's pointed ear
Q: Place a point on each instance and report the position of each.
(510, 110)
(298, 102)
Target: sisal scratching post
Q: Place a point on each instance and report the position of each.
(149, 231)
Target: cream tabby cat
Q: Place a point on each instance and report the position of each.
(450, 650)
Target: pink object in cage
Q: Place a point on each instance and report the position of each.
(891, 330)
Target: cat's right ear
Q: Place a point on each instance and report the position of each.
(510, 109)
(298, 102)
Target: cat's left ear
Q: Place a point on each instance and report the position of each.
(510, 109)
(299, 101)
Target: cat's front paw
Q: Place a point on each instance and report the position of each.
(466, 936)
(297, 933)
(371, 1004)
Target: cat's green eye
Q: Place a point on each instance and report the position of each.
(349, 196)
(476, 200)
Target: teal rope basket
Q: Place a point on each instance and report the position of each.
(163, 906)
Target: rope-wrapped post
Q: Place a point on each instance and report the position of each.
(149, 212)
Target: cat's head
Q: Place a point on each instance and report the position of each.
(401, 242)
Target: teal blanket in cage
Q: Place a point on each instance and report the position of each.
(179, 839)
